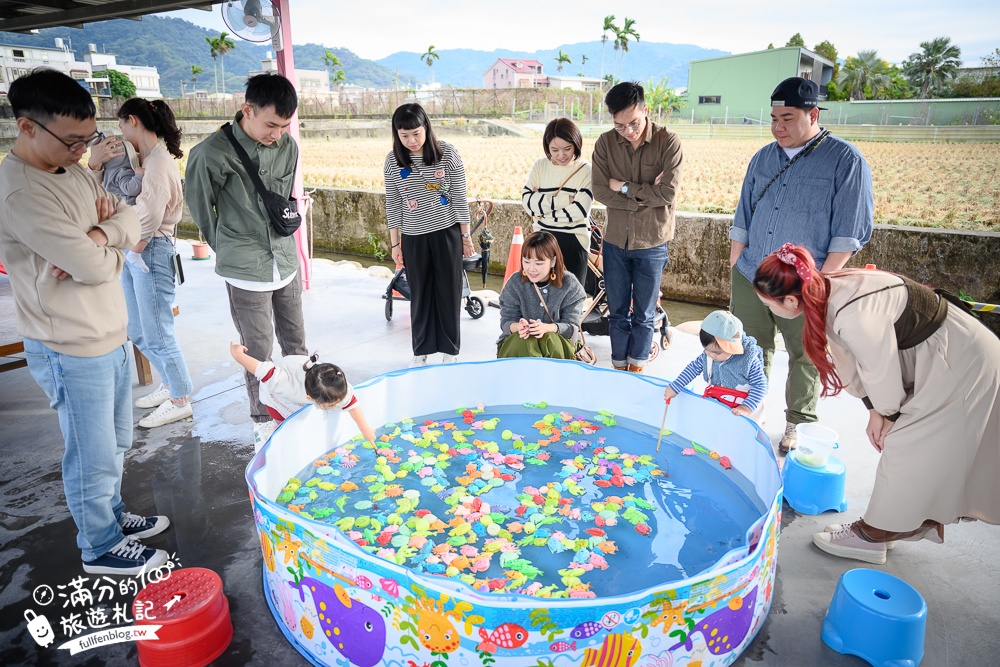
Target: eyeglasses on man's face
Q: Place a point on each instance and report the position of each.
(73, 146)
(631, 128)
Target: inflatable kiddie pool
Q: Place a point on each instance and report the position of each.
(340, 604)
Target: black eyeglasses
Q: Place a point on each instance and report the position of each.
(73, 146)
(630, 128)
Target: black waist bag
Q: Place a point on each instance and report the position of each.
(282, 211)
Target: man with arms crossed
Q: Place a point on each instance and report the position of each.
(636, 173)
(62, 241)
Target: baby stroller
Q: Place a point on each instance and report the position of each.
(399, 287)
(595, 318)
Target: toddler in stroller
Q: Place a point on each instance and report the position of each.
(595, 317)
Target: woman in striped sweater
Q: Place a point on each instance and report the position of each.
(557, 194)
(428, 216)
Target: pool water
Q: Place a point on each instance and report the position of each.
(532, 499)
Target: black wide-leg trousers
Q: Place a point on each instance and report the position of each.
(433, 264)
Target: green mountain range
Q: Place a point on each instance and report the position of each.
(172, 45)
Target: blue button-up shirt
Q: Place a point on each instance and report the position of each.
(823, 202)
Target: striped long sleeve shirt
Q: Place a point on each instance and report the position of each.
(554, 212)
(736, 372)
(421, 199)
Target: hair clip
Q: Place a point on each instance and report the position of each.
(786, 255)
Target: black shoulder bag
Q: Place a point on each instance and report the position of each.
(283, 212)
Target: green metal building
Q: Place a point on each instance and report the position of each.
(737, 89)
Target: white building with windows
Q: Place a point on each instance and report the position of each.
(145, 78)
(16, 61)
(310, 83)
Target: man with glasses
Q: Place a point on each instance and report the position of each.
(808, 188)
(636, 173)
(62, 240)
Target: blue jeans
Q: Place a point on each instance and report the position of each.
(93, 398)
(632, 280)
(150, 298)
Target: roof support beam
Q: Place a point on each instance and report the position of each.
(78, 14)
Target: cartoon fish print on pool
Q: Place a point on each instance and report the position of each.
(559, 647)
(508, 635)
(726, 629)
(616, 651)
(585, 630)
(355, 630)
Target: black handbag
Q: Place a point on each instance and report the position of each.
(282, 211)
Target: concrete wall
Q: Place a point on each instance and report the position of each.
(354, 221)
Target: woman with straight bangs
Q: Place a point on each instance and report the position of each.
(929, 374)
(557, 194)
(540, 313)
(428, 218)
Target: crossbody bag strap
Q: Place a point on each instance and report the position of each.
(804, 152)
(563, 184)
(247, 162)
(541, 298)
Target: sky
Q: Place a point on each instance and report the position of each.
(378, 28)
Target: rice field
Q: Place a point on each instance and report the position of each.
(954, 186)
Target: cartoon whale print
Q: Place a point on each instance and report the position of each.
(355, 630)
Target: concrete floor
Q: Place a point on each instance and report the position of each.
(193, 472)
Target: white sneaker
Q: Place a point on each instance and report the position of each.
(848, 544)
(154, 399)
(837, 527)
(418, 360)
(167, 412)
(449, 358)
(262, 432)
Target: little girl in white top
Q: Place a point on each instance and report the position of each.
(294, 381)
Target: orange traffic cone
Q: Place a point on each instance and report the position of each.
(514, 256)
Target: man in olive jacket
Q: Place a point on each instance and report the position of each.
(260, 266)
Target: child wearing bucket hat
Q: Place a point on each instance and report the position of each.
(732, 364)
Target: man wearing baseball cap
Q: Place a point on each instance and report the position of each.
(809, 188)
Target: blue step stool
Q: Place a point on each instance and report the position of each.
(814, 490)
(877, 617)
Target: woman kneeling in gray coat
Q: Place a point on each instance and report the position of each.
(541, 312)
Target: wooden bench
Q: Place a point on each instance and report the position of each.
(11, 343)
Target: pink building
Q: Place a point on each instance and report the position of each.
(514, 73)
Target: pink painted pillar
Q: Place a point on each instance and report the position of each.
(286, 67)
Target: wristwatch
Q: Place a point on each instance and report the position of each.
(466, 235)
(624, 188)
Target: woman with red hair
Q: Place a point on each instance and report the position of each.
(929, 374)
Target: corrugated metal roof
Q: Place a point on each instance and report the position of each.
(18, 16)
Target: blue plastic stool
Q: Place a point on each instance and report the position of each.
(877, 617)
(814, 490)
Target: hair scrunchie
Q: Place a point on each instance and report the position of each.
(786, 255)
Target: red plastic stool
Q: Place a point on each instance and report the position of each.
(195, 630)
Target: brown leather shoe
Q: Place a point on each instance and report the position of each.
(634, 369)
(620, 368)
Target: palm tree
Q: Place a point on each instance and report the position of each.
(866, 70)
(609, 24)
(195, 71)
(628, 31)
(214, 43)
(429, 57)
(938, 62)
(583, 59)
(661, 97)
(563, 58)
(223, 46)
(331, 61)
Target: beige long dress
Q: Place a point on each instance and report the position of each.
(941, 460)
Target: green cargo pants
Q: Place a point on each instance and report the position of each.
(802, 387)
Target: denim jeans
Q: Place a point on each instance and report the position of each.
(632, 280)
(149, 298)
(93, 398)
